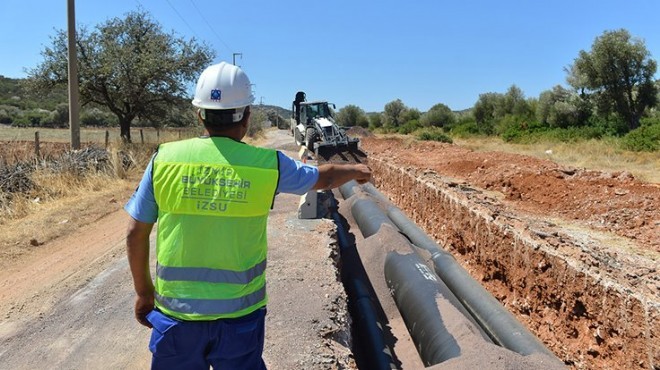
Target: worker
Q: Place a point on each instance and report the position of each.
(211, 197)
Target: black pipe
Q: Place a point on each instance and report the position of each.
(346, 190)
(497, 321)
(363, 310)
(422, 300)
(369, 217)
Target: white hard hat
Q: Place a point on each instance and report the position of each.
(223, 86)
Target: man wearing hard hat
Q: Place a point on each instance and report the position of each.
(211, 196)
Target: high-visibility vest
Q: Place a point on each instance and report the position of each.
(213, 197)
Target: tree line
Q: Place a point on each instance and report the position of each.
(612, 92)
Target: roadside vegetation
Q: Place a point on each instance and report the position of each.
(611, 97)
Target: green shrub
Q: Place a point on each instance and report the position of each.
(256, 124)
(433, 134)
(5, 117)
(60, 116)
(33, 118)
(511, 129)
(612, 125)
(646, 138)
(466, 129)
(410, 127)
(96, 117)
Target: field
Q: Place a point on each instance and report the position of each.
(95, 135)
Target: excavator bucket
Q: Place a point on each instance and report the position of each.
(340, 152)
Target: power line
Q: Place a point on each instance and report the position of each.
(182, 19)
(208, 24)
(177, 13)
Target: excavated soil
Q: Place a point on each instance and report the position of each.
(573, 253)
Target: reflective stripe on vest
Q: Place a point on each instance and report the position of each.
(210, 306)
(213, 197)
(210, 275)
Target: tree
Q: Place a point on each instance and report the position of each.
(392, 116)
(375, 120)
(514, 103)
(351, 115)
(563, 108)
(128, 65)
(618, 73)
(485, 110)
(438, 116)
(276, 120)
(409, 115)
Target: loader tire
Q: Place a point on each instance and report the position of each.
(311, 136)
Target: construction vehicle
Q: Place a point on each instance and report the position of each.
(313, 126)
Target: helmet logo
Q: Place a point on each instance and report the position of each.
(215, 94)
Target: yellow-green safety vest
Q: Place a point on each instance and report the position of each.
(213, 197)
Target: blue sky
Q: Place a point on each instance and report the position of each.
(366, 53)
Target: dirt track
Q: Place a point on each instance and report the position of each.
(67, 303)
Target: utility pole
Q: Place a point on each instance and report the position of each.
(234, 57)
(74, 105)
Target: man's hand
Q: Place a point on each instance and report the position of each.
(363, 173)
(334, 175)
(143, 305)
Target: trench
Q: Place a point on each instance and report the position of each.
(447, 318)
(586, 317)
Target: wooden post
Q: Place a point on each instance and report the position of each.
(141, 136)
(158, 136)
(74, 89)
(107, 138)
(179, 133)
(36, 144)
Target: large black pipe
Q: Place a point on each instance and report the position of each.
(369, 217)
(429, 308)
(363, 310)
(496, 321)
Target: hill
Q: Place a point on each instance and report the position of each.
(265, 108)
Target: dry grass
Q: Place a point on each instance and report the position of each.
(603, 155)
(51, 186)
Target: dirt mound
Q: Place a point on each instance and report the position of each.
(357, 131)
(614, 202)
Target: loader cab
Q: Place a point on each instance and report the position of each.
(313, 110)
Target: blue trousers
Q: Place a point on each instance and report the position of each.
(223, 344)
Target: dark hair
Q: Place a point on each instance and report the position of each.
(222, 119)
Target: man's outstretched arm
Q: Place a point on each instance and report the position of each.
(334, 175)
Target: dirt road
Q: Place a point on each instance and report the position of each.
(68, 303)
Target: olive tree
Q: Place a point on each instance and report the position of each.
(439, 115)
(562, 107)
(618, 74)
(375, 120)
(352, 115)
(393, 114)
(128, 65)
